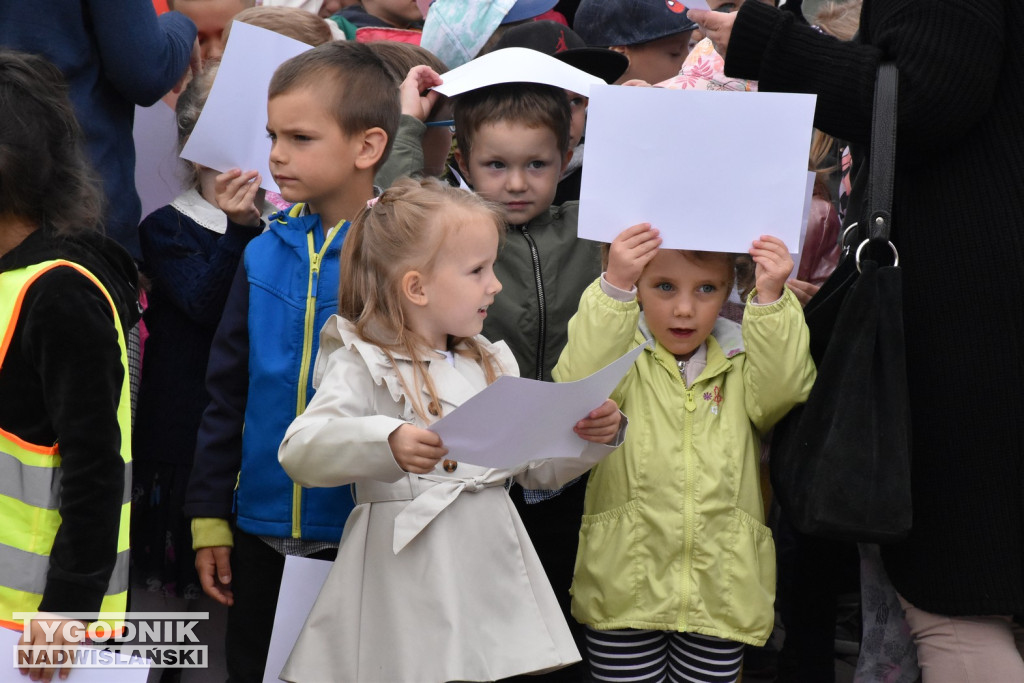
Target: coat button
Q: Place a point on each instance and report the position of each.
(433, 409)
(450, 465)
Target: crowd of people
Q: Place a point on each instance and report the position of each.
(188, 398)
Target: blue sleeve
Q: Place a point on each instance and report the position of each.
(193, 269)
(143, 55)
(219, 441)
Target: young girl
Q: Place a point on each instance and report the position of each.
(190, 254)
(676, 570)
(435, 579)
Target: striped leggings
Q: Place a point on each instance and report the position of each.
(656, 656)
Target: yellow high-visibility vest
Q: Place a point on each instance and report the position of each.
(30, 477)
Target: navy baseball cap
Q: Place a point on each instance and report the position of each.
(527, 9)
(607, 23)
(561, 42)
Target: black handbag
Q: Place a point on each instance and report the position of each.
(840, 464)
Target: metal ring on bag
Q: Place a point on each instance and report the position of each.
(842, 241)
(895, 254)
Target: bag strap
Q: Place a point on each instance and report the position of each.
(882, 169)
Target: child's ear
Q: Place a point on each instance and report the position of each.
(412, 288)
(463, 163)
(371, 148)
(565, 162)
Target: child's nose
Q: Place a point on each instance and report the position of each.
(495, 285)
(683, 306)
(515, 180)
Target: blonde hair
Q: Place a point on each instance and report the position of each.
(291, 22)
(839, 19)
(404, 230)
(741, 267)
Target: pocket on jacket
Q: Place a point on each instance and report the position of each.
(608, 571)
(749, 597)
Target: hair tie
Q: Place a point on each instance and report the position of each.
(370, 203)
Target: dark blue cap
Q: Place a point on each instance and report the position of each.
(527, 9)
(607, 23)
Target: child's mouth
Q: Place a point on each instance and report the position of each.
(681, 333)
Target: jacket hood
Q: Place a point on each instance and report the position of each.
(102, 256)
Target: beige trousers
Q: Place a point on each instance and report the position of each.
(980, 649)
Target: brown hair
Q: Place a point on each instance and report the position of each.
(352, 79)
(45, 178)
(292, 22)
(404, 230)
(529, 104)
(188, 108)
(400, 58)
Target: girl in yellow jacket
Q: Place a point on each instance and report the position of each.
(676, 569)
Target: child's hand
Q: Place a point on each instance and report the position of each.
(414, 93)
(803, 290)
(416, 450)
(601, 425)
(213, 565)
(630, 253)
(773, 264)
(236, 196)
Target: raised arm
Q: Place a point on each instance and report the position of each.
(939, 100)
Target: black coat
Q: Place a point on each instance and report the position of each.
(957, 222)
(60, 383)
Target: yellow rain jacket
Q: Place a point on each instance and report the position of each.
(673, 535)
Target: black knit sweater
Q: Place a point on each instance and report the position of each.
(957, 216)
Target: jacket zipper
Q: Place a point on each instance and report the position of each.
(541, 302)
(690, 406)
(315, 258)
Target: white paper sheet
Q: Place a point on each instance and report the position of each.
(711, 170)
(232, 130)
(690, 4)
(9, 672)
(513, 65)
(517, 419)
(300, 585)
(158, 170)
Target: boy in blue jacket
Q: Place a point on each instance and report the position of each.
(331, 124)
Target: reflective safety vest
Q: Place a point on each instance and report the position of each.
(30, 479)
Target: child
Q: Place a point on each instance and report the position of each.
(513, 146)
(330, 124)
(388, 14)
(446, 587)
(653, 34)
(190, 254)
(674, 561)
(67, 294)
(211, 17)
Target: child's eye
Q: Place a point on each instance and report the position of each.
(664, 286)
(272, 136)
(707, 289)
(496, 165)
(537, 164)
(576, 103)
(301, 138)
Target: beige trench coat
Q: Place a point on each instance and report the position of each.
(436, 578)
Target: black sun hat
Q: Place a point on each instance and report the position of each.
(562, 43)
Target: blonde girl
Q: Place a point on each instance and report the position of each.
(436, 578)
